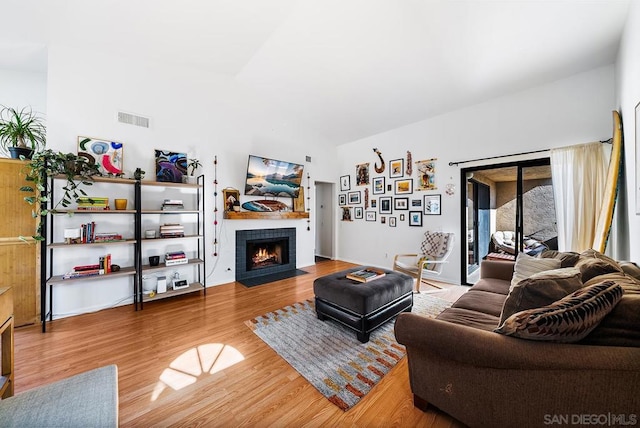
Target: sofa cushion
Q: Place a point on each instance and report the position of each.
(593, 254)
(630, 268)
(481, 301)
(469, 318)
(528, 265)
(593, 267)
(541, 289)
(567, 259)
(620, 327)
(570, 319)
(630, 284)
(492, 285)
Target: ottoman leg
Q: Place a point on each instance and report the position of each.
(362, 337)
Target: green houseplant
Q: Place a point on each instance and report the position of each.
(78, 171)
(21, 132)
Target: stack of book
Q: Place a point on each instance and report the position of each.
(88, 232)
(175, 258)
(366, 274)
(107, 237)
(171, 230)
(101, 268)
(92, 203)
(172, 204)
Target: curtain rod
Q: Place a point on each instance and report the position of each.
(609, 141)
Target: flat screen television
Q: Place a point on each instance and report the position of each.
(271, 177)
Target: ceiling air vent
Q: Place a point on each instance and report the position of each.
(132, 119)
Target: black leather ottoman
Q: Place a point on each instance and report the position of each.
(363, 307)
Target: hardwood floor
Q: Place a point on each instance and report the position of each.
(159, 352)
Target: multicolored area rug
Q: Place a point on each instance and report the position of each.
(328, 354)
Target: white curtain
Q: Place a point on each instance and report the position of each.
(579, 176)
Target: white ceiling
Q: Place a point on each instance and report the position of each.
(346, 68)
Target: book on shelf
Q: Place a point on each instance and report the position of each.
(107, 237)
(172, 204)
(366, 274)
(173, 262)
(83, 268)
(81, 274)
(175, 255)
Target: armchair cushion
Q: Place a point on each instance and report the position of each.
(570, 319)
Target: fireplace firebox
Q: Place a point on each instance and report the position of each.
(263, 252)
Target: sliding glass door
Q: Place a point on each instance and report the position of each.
(508, 208)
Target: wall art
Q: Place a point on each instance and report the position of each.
(370, 216)
(415, 218)
(346, 214)
(108, 155)
(345, 183)
(378, 185)
(374, 203)
(401, 217)
(416, 203)
(353, 198)
(396, 168)
(342, 199)
(383, 219)
(432, 204)
(401, 203)
(231, 196)
(362, 174)
(404, 187)
(378, 169)
(357, 212)
(170, 166)
(385, 205)
(392, 222)
(426, 174)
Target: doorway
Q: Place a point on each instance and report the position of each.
(509, 208)
(324, 220)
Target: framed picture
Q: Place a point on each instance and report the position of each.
(170, 166)
(346, 214)
(385, 205)
(401, 203)
(426, 174)
(357, 212)
(392, 222)
(396, 168)
(362, 174)
(404, 187)
(374, 203)
(416, 203)
(383, 219)
(432, 204)
(389, 187)
(378, 186)
(415, 218)
(342, 199)
(354, 198)
(345, 183)
(231, 196)
(107, 155)
(370, 216)
(401, 217)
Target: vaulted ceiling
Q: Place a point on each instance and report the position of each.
(345, 68)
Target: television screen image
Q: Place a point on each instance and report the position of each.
(270, 177)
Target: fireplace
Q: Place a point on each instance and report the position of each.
(263, 252)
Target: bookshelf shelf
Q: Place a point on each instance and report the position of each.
(51, 276)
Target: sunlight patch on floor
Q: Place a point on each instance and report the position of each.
(185, 370)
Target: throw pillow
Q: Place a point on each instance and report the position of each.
(593, 254)
(528, 265)
(570, 319)
(630, 268)
(591, 268)
(567, 259)
(629, 284)
(541, 289)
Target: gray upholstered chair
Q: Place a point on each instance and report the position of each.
(435, 250)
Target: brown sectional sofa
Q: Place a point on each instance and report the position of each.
(482, 378)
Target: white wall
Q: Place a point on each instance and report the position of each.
(570, 111)
(20, 89)
(191, 111)
(628, 93)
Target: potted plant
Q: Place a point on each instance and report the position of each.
(77, 170)
(192, 166)
(21, 132)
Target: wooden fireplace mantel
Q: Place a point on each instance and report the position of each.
(254, 215)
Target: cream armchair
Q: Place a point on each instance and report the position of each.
(436, 248)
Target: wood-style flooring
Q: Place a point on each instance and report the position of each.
(160, 350)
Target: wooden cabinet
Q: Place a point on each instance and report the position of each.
(19, 258)
(6, 342)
